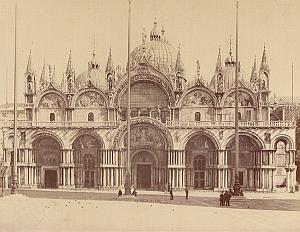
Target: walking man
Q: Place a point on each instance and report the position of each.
(186, 192)
(171, 194)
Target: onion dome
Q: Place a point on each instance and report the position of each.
(158, 51)
(94, 76)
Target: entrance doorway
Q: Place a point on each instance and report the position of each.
(89, 179)
(143, 175)
(199, 172)
(199, 180)
(50, 179)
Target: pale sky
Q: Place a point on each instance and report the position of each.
(51, 28)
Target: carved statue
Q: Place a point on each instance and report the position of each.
(268, 137)
(69, 100)
(70, 88)
(29, 86)
(110, 81)
(159, 112)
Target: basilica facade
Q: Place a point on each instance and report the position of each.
(182, 132)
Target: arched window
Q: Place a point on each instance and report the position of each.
(197, 117)
(90, 117)
(52, 117)
(240, 115)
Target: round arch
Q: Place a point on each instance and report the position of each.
(193, 134)
(284, 138)
(136, 153)
(251, 135)
(88, 133)
(49, 134)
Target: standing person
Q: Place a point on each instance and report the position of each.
(221, 199)
(186, 192)
(226, 194)
(171, 194)
(119, 193)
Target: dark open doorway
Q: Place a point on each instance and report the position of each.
(144, 175)
(50, 179)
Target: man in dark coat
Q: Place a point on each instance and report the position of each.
(186, 192)
(171, 194)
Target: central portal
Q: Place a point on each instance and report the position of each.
(50, 179)
(143, 175)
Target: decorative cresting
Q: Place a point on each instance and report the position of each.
(148, 122)
(198, 96)
(90, 99)
(246, 99)
(51, 99)
(162, 83)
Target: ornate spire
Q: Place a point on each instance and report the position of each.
(69, 65)
(219, 62)
(253, 73)
(29, 64)
(198, 69)
(109, 65)
(179, 65)
(43, 79)
(264, 63)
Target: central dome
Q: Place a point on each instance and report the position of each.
(94, 75)
(158, 52)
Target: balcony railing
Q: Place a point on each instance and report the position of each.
(169, 124)
(102, 124)
(228, 124)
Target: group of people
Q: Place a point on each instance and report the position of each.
(225, 198)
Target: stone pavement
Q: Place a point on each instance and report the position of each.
(19, 213)
(282, 201)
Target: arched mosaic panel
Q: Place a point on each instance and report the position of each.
(52, 100)
(198, 98)
(244, 99)
(90, 99)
